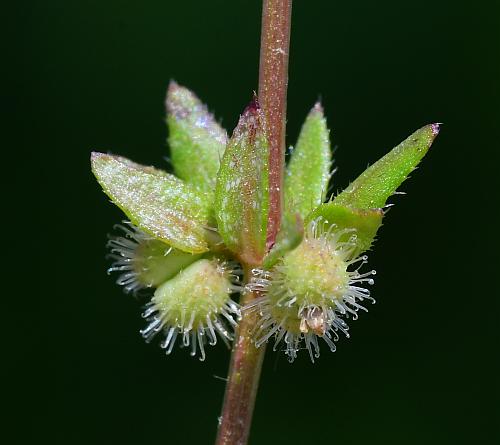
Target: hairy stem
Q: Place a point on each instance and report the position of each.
(242, 384)
(246, 359)
(273, 82)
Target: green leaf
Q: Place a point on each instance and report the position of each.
(308, 171)
(289, 237)
(241, 196)
(158, 203)
(379, 181)
(196, 140)
(156, 262)
(365, 222)
(143, 259)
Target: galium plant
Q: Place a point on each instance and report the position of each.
(236, 245)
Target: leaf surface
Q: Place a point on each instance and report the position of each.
(308, 171)
(242, 197)
(157, 202)
(196, 140)
(379, 181)
(364, 222)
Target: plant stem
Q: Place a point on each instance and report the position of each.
(242, 384)
(246, 359)
(273, 82)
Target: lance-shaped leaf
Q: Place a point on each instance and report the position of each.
(308, 171)
(372, 188)
(241, 196)
(158, 203)
(196, 140)
(289, 237)
(364, 222)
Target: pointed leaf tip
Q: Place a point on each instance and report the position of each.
(308, 171)
(241, 197)
(318, 108)
(253, 105)
(196, 140)
(379, 181)
(158, 203)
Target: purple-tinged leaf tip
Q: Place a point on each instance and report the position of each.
(253, 106)
(197, 142)
(318, 107)
(241, 195)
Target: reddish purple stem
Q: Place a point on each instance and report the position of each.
(246, 359)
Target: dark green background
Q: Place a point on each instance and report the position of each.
(420, 368)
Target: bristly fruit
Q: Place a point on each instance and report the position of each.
(308, 293)
(186, 232)
(196, 304)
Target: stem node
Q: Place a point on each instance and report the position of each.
(246, 359)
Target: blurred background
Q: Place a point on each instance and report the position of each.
(420, 368)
